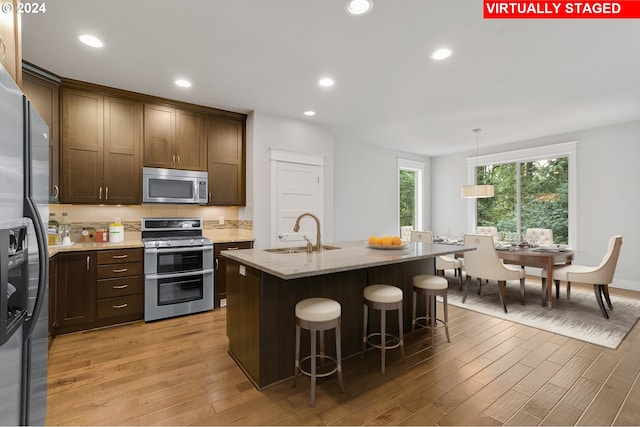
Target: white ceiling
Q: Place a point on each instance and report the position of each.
(515, 79)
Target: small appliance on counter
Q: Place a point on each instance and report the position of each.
(116, 231)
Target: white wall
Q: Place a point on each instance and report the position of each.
(608, 194)
(366, 191)
(265, 132)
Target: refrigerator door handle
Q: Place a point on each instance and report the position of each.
(32, 212)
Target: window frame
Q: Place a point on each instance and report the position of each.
(565, 149)
(418, 168)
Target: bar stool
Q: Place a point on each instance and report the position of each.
(383, 298)
(318, 314)
(430, 286)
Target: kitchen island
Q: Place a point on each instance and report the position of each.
(263, 288)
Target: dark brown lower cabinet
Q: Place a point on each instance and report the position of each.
(96, 289)
(120, 293)
(220, 268)
(76, 291)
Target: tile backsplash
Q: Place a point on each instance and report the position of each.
(101, 216)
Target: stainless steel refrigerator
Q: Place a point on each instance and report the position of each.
(24, 188)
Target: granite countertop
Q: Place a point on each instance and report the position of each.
(127, 244)
(92, 246)
(350, 256)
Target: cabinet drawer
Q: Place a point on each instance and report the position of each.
(119, 270)
(218, 247)
(109, 288)
(117, 256)
(120, 306)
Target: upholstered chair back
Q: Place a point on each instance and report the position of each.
(539, 236)
(602, 274)
(484, 261)
(490, 231)
(422, 236)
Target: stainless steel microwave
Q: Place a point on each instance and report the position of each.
(174, 186)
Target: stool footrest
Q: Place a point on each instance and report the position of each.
(425, 325)
(318, 367)
(395, 340)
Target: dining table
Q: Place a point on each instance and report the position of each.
(541, 257)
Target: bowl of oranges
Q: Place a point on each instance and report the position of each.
(386, 242)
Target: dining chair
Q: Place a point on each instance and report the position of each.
(600, 277)
(443, 262)
(490, 231)
(484, 263)
(539, 236)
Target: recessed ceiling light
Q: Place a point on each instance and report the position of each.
(309, 113)
(358, 7)
(183, 83)
(441, 54)
(90, 40)
(326, 82)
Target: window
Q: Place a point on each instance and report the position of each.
(410, 194)
(534, 188)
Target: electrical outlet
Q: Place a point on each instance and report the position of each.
(221, 220)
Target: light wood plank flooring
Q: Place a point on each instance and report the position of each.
(494, 372)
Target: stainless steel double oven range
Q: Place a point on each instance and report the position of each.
(178, 267)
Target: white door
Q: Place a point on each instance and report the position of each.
(298, 190)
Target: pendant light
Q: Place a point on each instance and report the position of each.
(477, 191)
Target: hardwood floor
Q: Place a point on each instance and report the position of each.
(494, 372)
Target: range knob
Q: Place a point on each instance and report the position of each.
(191, 241)
(156, 243)
(202, 240)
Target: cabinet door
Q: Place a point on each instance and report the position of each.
(122, 145)
(76, 294)
(44, 94)
(226, 161)
(190, 141)
(10, 44)
(82, 147)
(159, 136)
(220, 269)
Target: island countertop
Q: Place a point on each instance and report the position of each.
(350, 256)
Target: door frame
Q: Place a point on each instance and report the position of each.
(285, 156)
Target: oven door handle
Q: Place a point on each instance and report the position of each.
(189, 249)
(174, 275)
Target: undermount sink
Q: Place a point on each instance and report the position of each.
(298, 249)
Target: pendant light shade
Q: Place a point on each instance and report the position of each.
(477, 191)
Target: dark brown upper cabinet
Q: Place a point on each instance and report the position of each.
(43, 90)
(101, 145)
(174, 138)
(226, 161)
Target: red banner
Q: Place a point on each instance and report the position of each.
(518, 9)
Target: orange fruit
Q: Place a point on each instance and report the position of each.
(395, 240)
(372, 240)
(386, 240)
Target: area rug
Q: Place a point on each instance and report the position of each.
(578, 318)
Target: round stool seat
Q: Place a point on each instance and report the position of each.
(430, 282)
(383, 293)
(318, 309)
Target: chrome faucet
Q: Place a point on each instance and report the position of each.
(296, 228)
